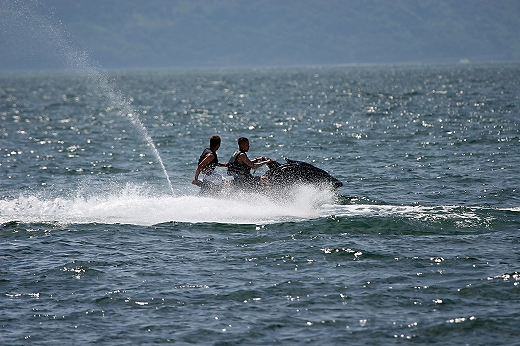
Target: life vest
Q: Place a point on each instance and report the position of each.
(236, 169)
(211, 166)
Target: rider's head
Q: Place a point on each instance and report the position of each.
(243, 144)
(214, 142)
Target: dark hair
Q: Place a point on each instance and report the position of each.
(214, 141)
(242, 140)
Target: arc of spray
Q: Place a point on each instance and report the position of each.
(14, 13)
(127, 110)
(136, 120)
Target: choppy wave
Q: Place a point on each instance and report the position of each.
(459, 216)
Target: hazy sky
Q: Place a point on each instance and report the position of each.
(227, 33)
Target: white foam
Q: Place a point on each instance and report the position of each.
(462, 217)
(135, 205)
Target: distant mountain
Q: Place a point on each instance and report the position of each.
(211, 33)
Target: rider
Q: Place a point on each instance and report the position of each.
(239, 166)
(207, 162)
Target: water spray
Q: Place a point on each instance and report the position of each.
(14, 14)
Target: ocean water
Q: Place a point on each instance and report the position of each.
(420, 246)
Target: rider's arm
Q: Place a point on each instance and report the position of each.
(201, 166)
(242, 158)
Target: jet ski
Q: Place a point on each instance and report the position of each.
(298, 172)
(280, 178)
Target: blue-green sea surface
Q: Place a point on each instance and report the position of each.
(420, 245)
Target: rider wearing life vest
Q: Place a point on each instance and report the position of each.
(207, 162)
(239, 166)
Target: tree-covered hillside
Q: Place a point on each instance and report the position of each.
(200, 33)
